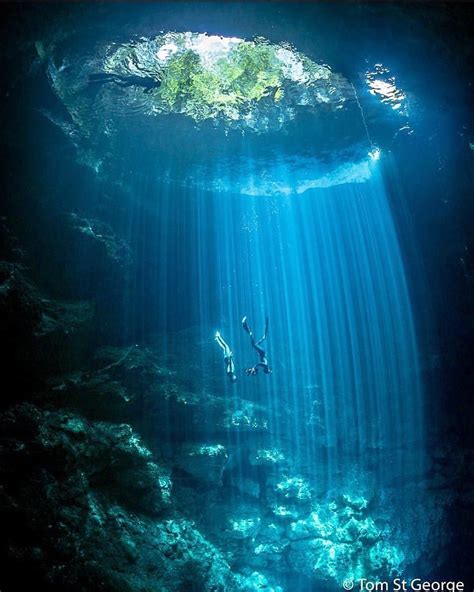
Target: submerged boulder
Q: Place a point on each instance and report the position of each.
(106, 457)
(205, 462)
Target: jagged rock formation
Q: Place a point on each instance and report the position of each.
(39, 334)
(84, 506)
(101, 235)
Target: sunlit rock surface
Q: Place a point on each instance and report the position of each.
(339, 542)
(205, 462)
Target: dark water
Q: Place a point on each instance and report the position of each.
(340, 209)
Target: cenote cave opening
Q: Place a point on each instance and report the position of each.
(236, 292)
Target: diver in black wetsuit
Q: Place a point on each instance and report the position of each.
(146, 82)
(228, 357)
(263, 363)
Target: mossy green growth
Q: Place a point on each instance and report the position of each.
(234, 80)
(250, 72)
(187, 87)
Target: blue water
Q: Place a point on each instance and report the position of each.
(326, 268)
(350, 231)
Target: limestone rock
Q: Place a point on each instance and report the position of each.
(266, 457)
(204, 461)
(40, 335)
(100, 237)
(84, 506)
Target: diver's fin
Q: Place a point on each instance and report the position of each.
(246, 326)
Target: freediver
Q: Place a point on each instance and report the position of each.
(263, 363)
(228, 357)
(146, 82)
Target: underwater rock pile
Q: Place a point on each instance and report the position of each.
(84, 506)
(340, 541)
(289, 531)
